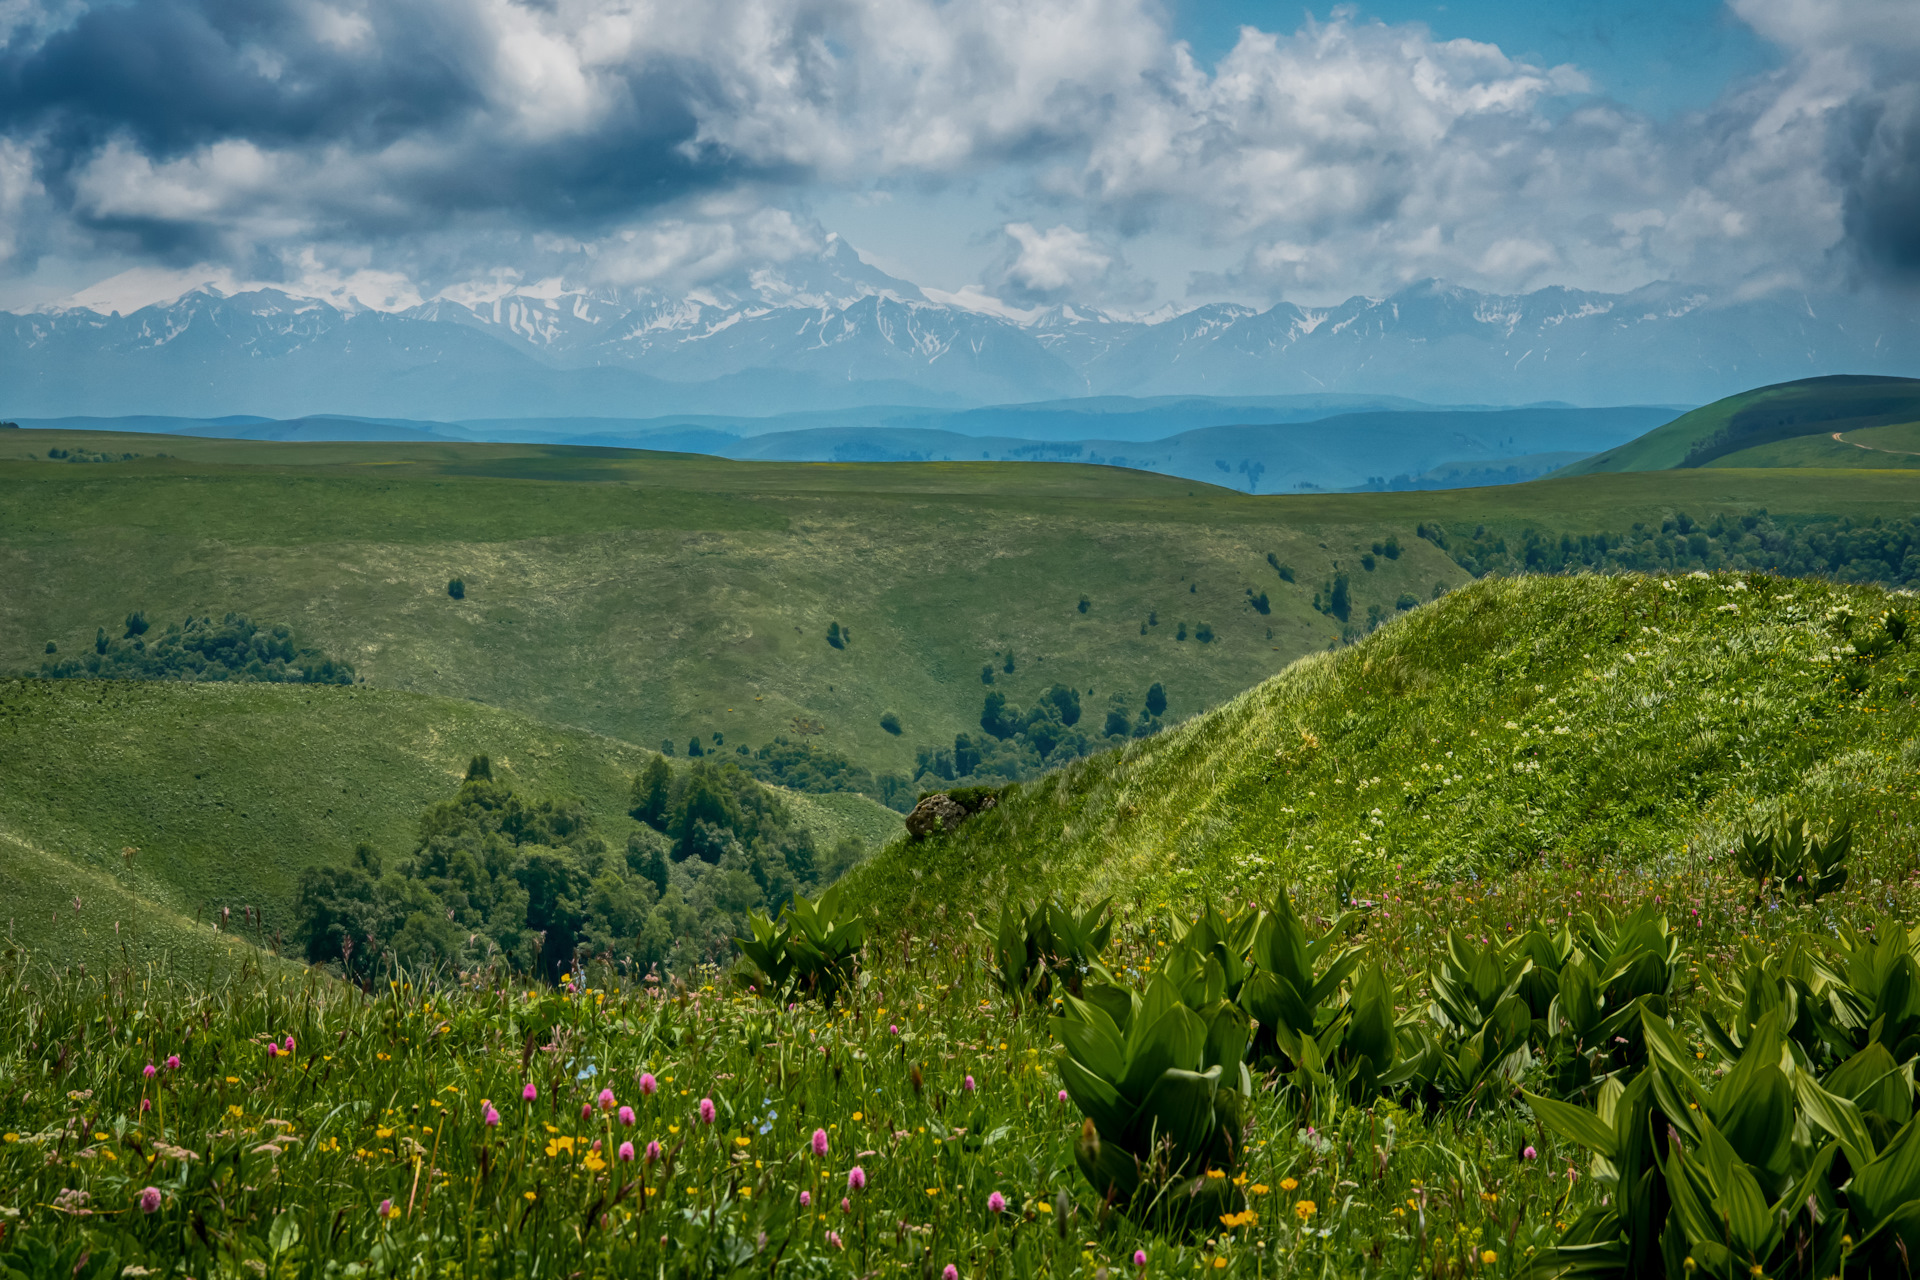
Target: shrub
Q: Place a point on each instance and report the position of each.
(1406, 601)
(1085, 604)
(1156, 700)
(1260, 604)
(457, 589)
(1204, 633)
(890, 722)
(835, 636)
(986, 674)
(1368, 563)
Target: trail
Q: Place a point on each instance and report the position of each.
(1898, 453)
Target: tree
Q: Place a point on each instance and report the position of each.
(457, 589)
(1368, 563)
(1261, 605)
(1085, 604)
(890, 722)
(1341, 606)
(986, 674)
(966, 756)
(994, 717)
(652, 787)
(1204, 633)
(1119, 724)
(1407, 600)
(1181, 633)
(480, 769)
(136, 624)
(1066, 701)
(1156, 700)
(52, 647)
(1008, 665)
(694, 748)
(647, 858)
(666, 746)
(1392, 548)
(835, 636)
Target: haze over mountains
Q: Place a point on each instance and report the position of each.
(831, 332)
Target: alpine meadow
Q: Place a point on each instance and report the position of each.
(1073, 640)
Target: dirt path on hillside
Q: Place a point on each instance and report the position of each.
(1898, 453)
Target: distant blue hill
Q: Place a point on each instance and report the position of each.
(1263, 445)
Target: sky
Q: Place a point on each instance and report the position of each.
(1133, 155)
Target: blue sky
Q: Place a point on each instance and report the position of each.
(1131, 155)
(1656, 57)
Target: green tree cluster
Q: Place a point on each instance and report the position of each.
(533, 883)
(1883, 550)
(234, 648)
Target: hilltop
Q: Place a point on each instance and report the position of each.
(1839, 421)
(1626, 723)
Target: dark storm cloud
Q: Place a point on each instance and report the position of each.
(1880, 181)
(169, 77)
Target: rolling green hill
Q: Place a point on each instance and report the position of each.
(1792, 424)
(158, 803)
(657, 597)
(1631, 723)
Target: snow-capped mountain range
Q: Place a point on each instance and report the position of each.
(831, 331)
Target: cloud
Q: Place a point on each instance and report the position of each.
(641, 142)
(1053, 264)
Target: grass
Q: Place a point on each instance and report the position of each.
(1523, 749)
(1622, 722)
(159, 803)
(653, 597)
(1748, 429)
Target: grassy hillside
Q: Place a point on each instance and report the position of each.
(169, 800)
(655, 597)
(1630, 723)
(1745, 430)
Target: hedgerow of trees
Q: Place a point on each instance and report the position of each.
(234, 648)
(1881, 550)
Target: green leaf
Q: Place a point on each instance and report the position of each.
(1178, 1108)
(1097, 1099)
(1576, 1124)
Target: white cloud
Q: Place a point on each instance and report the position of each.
(1055, 261)
(642, 142)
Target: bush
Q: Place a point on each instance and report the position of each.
(200, 649)
(890, 722)
(457, 589)
(1203, 633)
(1406, 601)
(1156, 700)
(1085, 604)
(1260, 604)
(835, 636)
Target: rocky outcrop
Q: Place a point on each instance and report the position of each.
(943, 811)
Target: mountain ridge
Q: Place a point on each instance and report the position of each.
(827, 331)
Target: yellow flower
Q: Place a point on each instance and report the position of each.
(856, 1115)
(383, 1133)
(1219, 1264)
(1215, 1173)
(746, 1193)
(593, 1162)
(1245, 1218)
(99, 1137)
(1044, 1207)
(1257, 1189)
(11, 1137)
(933, 1191)
(1288, 1184)
(528, 1194)
(1304, 1209)
(1240, 1181)
(1488, 1257)
(233, 1079)
(741, 1142)
(673, 1128)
